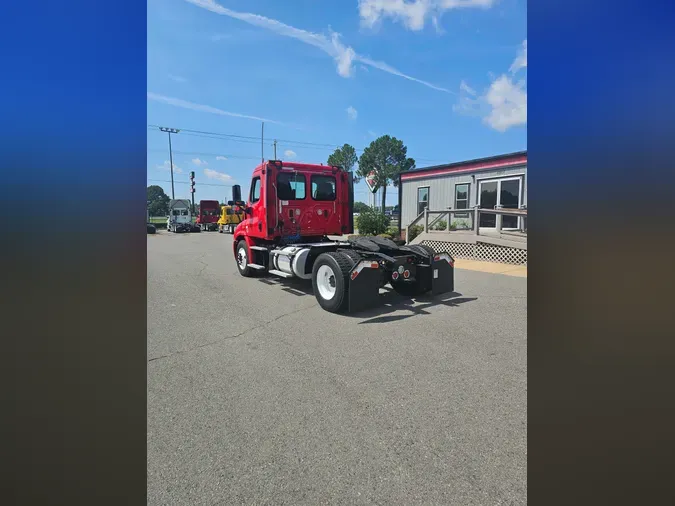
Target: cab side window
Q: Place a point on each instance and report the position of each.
(255, 190)
(323, 188)
(291, 186)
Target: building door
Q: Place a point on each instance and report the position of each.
(500, 194)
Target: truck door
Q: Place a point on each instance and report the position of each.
(255, 221)
(272, 207)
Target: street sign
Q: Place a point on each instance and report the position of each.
(370, 181)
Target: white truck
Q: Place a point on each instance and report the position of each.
(180, 217)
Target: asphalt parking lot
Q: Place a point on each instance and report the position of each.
(258, 396)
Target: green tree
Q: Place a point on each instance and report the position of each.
(158, 201)
(361, 207)
(344, 157)
(388, 157)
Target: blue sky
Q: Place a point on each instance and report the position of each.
(447, 77)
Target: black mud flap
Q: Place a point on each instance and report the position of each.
(364, 289)
(442, 274)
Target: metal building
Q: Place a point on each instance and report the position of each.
(496, 182)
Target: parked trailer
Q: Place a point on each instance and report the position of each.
(292, 209)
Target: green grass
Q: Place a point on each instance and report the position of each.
(161, 219)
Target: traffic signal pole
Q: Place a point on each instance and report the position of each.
(192, 189)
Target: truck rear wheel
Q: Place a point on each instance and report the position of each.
(330, 280)
(243, 259)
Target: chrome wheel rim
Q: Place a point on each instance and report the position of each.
(242, 259)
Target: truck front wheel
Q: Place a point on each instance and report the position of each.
(243, 259)
(330, 280)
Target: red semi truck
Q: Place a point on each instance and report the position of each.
(209, 214)
(293, 207)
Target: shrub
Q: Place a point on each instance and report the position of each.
(386, 236)
(441, 225)
(414, 231)
(372, 222)
(393, 231)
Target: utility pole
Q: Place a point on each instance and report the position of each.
(170, 131)
(262, 143)
(275, 149)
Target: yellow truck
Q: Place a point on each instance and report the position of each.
(229, 219)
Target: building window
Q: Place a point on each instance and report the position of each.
(291, 186)
(255, 190)
(462, 199)
(323, 187)
(422, 199)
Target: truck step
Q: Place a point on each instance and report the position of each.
(257, 266)
(280, 273)
(259, 248)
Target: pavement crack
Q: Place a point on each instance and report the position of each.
(227, 338)
(205, 265)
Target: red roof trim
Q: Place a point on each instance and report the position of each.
(467, 168)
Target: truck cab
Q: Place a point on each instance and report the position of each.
(180, 216)
(290, 201)
(209, 213)
(230, 217)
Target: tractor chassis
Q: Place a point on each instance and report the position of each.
(364, 266)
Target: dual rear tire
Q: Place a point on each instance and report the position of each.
(330, 279)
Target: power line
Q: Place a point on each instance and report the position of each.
(187, 182)
(254, 140)
(209, 154)
(359, 191)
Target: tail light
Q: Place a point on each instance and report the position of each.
(365, 264)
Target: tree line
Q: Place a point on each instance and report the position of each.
(386, 156)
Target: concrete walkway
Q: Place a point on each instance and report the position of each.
(492, 267)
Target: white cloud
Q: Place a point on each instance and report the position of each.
(521, 60)
(371, 133)
(199, 162)
(178, 79)
(504, 104)
(413, 14)
(221, 158)
(508, 101)
(289, 153)
(166, 165)
(352, 113)
(177, 102)
(344, 56)
(212, 174)
(466, 88)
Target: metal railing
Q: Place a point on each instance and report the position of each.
(475, 214)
